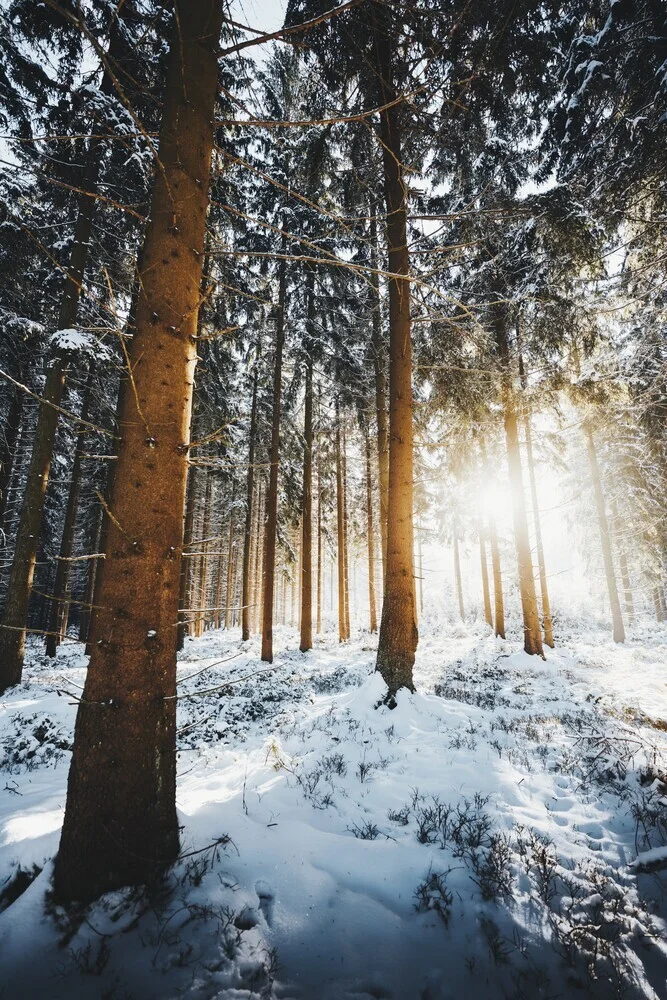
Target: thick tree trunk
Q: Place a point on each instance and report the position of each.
(271, 516)
(8, 441)
(531, 620)
(370, 534)
(398, 630)
(379, 363)
(306, 623)
(457, 577)
(59, 606)
(250, 491)
(605, 538)
(488, 616)
(120, 824)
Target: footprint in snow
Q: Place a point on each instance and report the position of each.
(266, 899)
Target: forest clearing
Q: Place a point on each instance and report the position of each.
(333, 519)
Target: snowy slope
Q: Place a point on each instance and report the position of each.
(477, 840)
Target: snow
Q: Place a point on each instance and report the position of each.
(477, 840)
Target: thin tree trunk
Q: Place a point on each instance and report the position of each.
(271, 517)
(420, 569)
(120, 825)
(202, 589)
(307, 504)
(259, 555)
(187, 568)
(346, 553)
(398, 630)
(457, 575)
(59, 606)
(623, 567)
(340, 528)
(488, 617)
(498, 600)
(657, 604)
(379, 361)
(605, 539)
(229, 597)
(250, 489)
(370, 534)
(86, 610)
(319, 541)
(531, 620)
(544, 590)
(8, 442)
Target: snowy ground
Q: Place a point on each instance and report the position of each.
(480, 840)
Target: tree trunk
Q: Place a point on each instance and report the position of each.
(319, 541)
(488, 617)
(59, 605)
(346, 551)
(457, 576)
(120, 825)
(307, 504)
(623, 566)
(201, 614)
(271, 516)
(544, 590)
(340, 527)
(498, 601)
(186, 570)
(8, 442)
(379, 356)
(91, 575)
(259, 561)
(531, 620)
(250, 490)
(370, 534)
(617, 617)
(229, 598)
(398, 630)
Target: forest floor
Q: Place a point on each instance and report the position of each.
(500, 833)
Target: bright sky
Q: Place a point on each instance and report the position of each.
(265, 15)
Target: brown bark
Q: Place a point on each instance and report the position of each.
(271, 516)
(605, 538)
(531, 621)
(201, 614)
(537, 523)
(250, 490)
(379, 356)
(318, 625)
(398, 630)
(488, 617)
(346, 550)
(229, 597)
(370, 535)
(498, 601)
(58, 612)
(340, 534)
(120, 822)
(187, 568)
(8, 442)
(306, 623)
(259, 561)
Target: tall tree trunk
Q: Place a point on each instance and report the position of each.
(229, 597)
(259, 561)
(531, 620)
(457, 576)
(346, 549)
(623, 566)
(340, 527)
(319, 541)
(202, 590)
(250, 490)
(379, 361)
(91, 574)
(271, 516)
(187, 568)
(8, 441)
(488, 617)
(498, 600)
(120, 824)
(605, 539)
(370, 534)
(541, 565)
(398, 630)
(307, 502)
(58, 616)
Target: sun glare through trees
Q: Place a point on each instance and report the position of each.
(333, 517)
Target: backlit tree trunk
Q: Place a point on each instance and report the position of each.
(532, 642)
(498, 600)
(398, 630)
(379, 360)
(457, 576)
(605, 539)
(271, 516)
(488, 616)
(120, 823)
